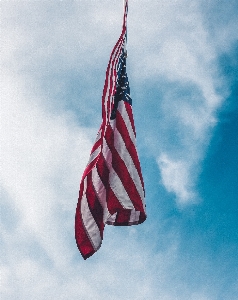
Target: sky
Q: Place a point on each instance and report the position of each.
(183, 71)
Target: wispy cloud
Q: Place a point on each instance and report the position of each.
(42, 156)
(179, 50)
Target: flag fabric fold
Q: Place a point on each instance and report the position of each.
(112, 188)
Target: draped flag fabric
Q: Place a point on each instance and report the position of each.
(112, 188)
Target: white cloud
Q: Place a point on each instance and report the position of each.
(142, 273)
(42, 157)
(176, 46)
(176, 178)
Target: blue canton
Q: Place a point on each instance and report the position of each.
(122, 86)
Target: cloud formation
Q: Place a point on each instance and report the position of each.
(179, 50)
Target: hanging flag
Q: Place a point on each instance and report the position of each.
(112, 188)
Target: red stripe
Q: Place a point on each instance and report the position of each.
(89, 167)
(142, 218)
(108, 66)
(113, 204)
(103, 171)
(113, 78)
(96, 145)
(121, 127)
(84, 245)
(109, 79)
(123, 217)
(125, 15)
(81, 189)
(130, 115)
(94, 204)
(122, 172)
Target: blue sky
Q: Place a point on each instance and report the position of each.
(182, 67)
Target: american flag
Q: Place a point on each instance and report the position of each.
(112, 188)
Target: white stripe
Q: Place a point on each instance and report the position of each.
(94, 154)
(96, 151)
(112, 219)
(119, 190)
(124, 114)
(126, 157)
(135, 215)
(89, 223)
(113, 124)
(106, 152)
(114, 181)
(114, 58)
(101, 193)
(109, 77)
(98, 136)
